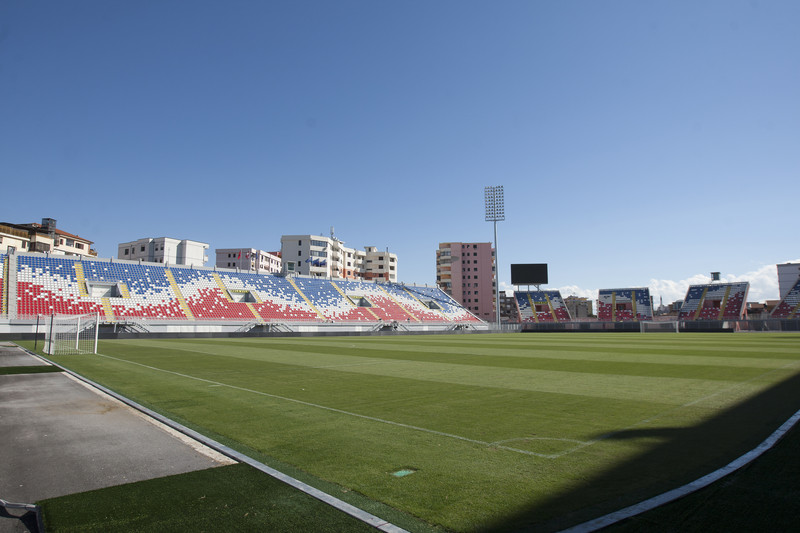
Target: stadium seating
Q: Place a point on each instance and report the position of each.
(624, 305)
(432, 297)
(2, 285)
(716, 301)
(541, 306)
(789, 306)
(49, 285)
(143, 290)
(123, 290)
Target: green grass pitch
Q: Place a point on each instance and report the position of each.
(499, 431)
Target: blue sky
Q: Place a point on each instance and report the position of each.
(638, 143)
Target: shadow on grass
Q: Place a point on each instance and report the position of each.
(683, 455)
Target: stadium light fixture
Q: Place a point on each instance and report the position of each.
(495, 212)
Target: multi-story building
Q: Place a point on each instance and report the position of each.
(467, 272)
(44, 237)
(787, 277)
(578, 306)
(328, 257)
(249, 259)
(164, 250)
(508, 308)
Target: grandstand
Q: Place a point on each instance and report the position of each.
(715, 301)
(154, 297)
(4, 298)
(122, 292)
(541, 306)
(624, 305)
(789, 306)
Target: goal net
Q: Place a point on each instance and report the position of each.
(66, 335)
(652, 326)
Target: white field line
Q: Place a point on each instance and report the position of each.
(360, 514)
(497, 444)
(674, 494)
(349, 413)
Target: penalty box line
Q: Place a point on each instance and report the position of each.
(497, 444)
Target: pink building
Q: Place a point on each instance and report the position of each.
(466, 271)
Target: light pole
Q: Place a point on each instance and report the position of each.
(495, 211)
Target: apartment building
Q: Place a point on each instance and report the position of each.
(45, 237)
(467, 272)
(328, 257)
(249, 259)
(164, 250)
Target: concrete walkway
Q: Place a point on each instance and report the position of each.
(58, 436)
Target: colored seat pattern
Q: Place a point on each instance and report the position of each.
(624, 305)
(789, 306)
(715, 301)
(148, 291)
(150, 295)
(541, 306)
(2, 285)
(49, 285)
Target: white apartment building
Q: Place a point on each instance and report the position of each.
(328, 257)
(164, 250)
(44, 237)
(249, 259)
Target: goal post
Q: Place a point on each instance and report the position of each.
(67, 335)
(663, 326)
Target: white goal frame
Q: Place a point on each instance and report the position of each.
(75, 334)
(660, 326)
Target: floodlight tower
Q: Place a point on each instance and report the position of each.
(495, 212)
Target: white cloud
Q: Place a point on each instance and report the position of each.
(574, 290)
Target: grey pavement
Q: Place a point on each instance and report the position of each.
(58, 436)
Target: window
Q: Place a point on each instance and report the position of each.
(126, 251)
(142, 249)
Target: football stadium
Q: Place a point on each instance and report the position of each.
(344, 405)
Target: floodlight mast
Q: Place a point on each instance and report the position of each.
(495, 212)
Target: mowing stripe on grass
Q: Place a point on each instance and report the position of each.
(497, 444)
(368, 518)
(663, 413)
(501, 444)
